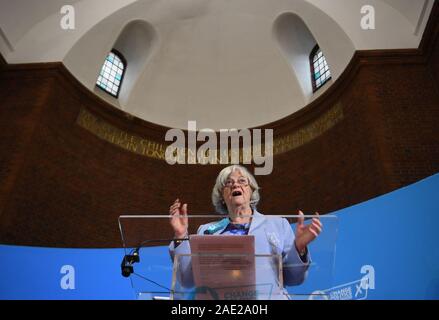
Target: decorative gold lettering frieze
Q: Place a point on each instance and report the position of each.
(156, 150)
(116, 136)
(309, 132)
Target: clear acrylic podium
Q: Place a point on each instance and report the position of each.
(260, 275)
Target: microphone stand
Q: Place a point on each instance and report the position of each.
(133, 257)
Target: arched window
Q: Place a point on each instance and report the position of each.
(112, 72)
(320, 73)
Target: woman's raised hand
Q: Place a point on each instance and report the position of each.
(305, 234)
(179, 220)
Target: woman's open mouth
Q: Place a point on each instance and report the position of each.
(236, 193)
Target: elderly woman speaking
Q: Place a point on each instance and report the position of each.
(236, 193)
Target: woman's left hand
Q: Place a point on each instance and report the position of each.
(305, 234)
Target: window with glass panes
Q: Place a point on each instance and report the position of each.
(319, 68)
(112, 72)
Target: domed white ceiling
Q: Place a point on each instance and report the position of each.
(225, 64)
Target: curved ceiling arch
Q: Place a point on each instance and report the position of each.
(394, 30)
(40, 20)
(204, 71)
(45, 40)
(296, 41)
(413, 11)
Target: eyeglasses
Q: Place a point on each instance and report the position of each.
(241, 181)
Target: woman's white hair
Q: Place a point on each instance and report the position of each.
(217, 192)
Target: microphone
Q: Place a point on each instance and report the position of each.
(133, 257)
(127, 263)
